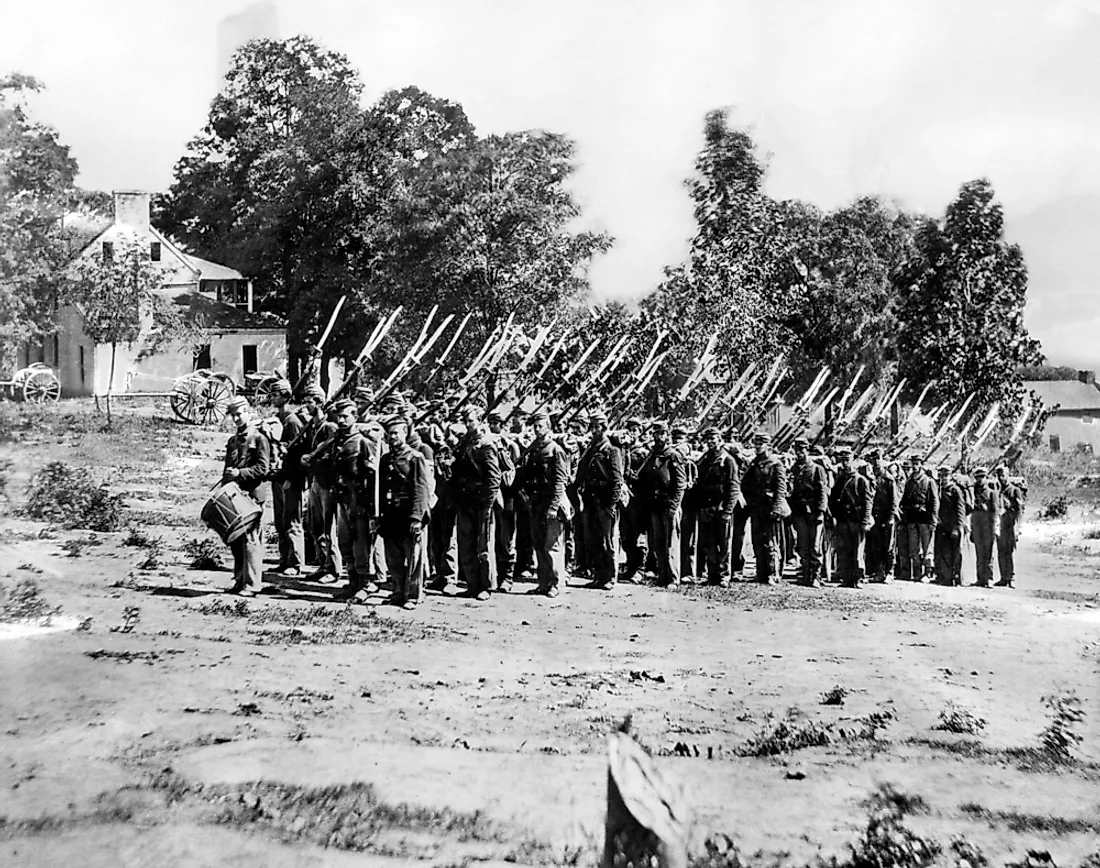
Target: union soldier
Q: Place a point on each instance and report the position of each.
(504, 509)
(681, 439)
(764, 487)
(542, 477)
(808, 500)
(716, 491)
(920, 507)
(1012, 513)
(985, 524)
(475, 479)
(288, 485)
(949, 529)
(634, 521)
(885, 510)
(405, 486)
(320, 510)
(850, 503)
(354, 460)
(662, 481)
(601, 488)
(247, 462)
(740, 513)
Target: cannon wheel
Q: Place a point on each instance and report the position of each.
(41, 386)
(263, 389)
(217, 393)
(186, 398)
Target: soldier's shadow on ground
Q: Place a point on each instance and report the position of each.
(184, 592)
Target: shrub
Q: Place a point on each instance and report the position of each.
(24, 600)
(834, 695)
(1060, 736)
(1055, 507)
(140, 539)
(205, 553)
(69, 496)
(956, 718)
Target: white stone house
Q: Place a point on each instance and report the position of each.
(241, 341)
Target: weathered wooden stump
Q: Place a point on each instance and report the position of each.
(646, 817)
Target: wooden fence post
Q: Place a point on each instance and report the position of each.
(646, 817)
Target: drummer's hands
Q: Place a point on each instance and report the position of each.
(230, 474)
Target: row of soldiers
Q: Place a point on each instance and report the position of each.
(440, 495)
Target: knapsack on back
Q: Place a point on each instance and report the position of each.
(272, 429)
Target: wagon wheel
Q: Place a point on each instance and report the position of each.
(263, 388)
(186, 398)
(216, 395)
(41, 386)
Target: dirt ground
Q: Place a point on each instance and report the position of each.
(157, 721)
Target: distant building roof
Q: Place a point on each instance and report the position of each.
(219, 315)
(212, 270)
(1070, 395)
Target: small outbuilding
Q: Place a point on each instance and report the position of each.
(1075, 423)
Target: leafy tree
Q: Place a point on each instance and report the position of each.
(36, 184)
(116, 295)
(961, 304)
(846, 316)
(271, 185)
(740, 280)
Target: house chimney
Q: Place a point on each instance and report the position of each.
(1088, 377)
(132, 210)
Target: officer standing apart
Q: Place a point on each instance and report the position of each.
(808, 500)
(405, 492)
(850, 503)
(247, 463)
(716, 491)
(949, 529)
(601, 487)
(542, 477)
(764, 488)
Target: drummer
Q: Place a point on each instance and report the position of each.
(247, 461)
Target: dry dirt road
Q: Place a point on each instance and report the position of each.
(181, 726)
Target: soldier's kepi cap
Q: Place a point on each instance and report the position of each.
(873, 454)
(597, 416)
(495, 416)
(237, 404)
(344, 405)
(314, 391)
(540, 416)
(843, 452)
(393, 421)
(712, 431)
(634, 422)
(680, 430)
(280, 387)
(943, 470)
(981, 471)
(659, 425)
(801, 441)
(761, 437)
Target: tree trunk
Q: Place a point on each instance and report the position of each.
(111, 383)
(646, 819)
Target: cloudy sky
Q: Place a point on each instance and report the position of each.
(903, 99)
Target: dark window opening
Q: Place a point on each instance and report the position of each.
(82, 365)
(56, 351)
(248, 352)
(202, 358)
(154, 251)
(108, 251)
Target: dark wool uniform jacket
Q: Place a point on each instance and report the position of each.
(475, 473)
(600, 474)
(354, 458)
(887, 506)
(920, 502)
(296, 443)
(851, 498)
(764, 485)
(719, 482)
(544, 475)
(952, 507)
(405, 488)
(249, 451)
(322, 467)
(1012, 500)
(809, 489)
(987, 498)
(662, 479)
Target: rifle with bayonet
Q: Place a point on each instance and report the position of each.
(379, 333)
(317, 350)
(442, 358)
(794, 426)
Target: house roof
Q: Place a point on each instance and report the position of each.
(213, 271)
(82, 227)
(221, 316)
(1070, 395)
